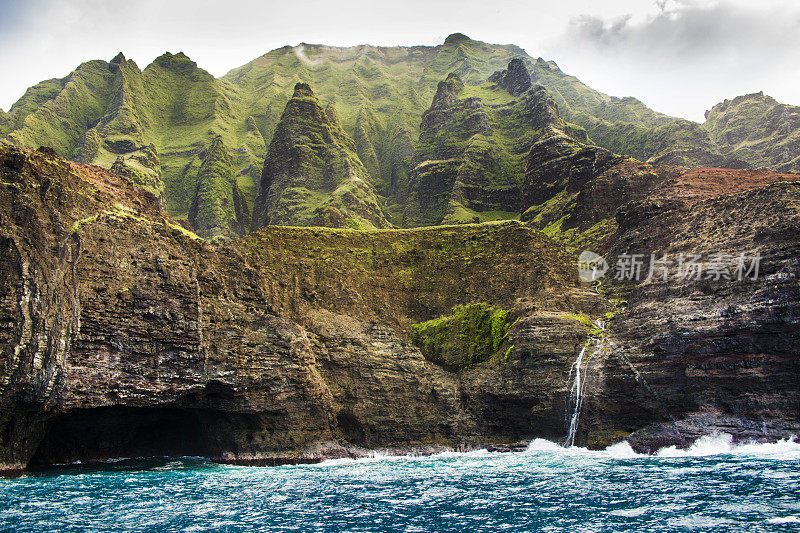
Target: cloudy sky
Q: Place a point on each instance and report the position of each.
(678, 56)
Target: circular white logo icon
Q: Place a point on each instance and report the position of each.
(591, 266)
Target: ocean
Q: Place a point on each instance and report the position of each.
(713, 486)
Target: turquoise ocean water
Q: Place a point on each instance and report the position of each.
(714, 486)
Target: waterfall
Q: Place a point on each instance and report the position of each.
(575, 396)
(577, 379)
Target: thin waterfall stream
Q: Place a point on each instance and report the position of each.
(576, 382)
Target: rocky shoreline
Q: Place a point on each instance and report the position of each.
(125, 335)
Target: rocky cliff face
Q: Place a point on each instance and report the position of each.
(126, 335)
(708, 351)
(714, 353)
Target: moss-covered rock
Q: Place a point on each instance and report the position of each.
(472, 152)
(558, 162)
(471, 335)
(676, 142)
(218, 209)
(141, 167)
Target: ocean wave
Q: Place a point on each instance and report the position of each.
(722, 444)
(620, 450)
(708, 445)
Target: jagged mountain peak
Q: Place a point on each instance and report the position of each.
(515, 79)
(170, 60)
(312, 175)
(752, 97)
(448, 90)
(218, 208)
(303, 90)
(757, 129)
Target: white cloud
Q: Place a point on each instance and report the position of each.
(688, 55)
(678, 56)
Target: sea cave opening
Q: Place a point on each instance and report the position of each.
(103, 433)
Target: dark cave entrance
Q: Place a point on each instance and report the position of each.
(103, 433)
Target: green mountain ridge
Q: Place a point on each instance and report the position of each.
(155, 127)
(758, 129)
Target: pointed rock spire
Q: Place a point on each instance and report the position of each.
(217, 209)
(448, 90)
(312, 175)
(303, 90)
(515, 79)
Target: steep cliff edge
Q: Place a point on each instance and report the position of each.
(703, 267)
(123, 334)
(717, 346)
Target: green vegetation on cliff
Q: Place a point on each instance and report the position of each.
(312, 175)
(418, 274)
(473, 148)
(471, 335)
(218, 208)
(466, 157)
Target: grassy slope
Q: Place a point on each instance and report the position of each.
(62, 121)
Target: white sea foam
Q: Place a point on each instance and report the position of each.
(621, 450)
(706, 446)
(709, 445)
(543, 445)
(722, 444)
(785, 520)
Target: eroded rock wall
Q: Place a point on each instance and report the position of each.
(122, 326)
